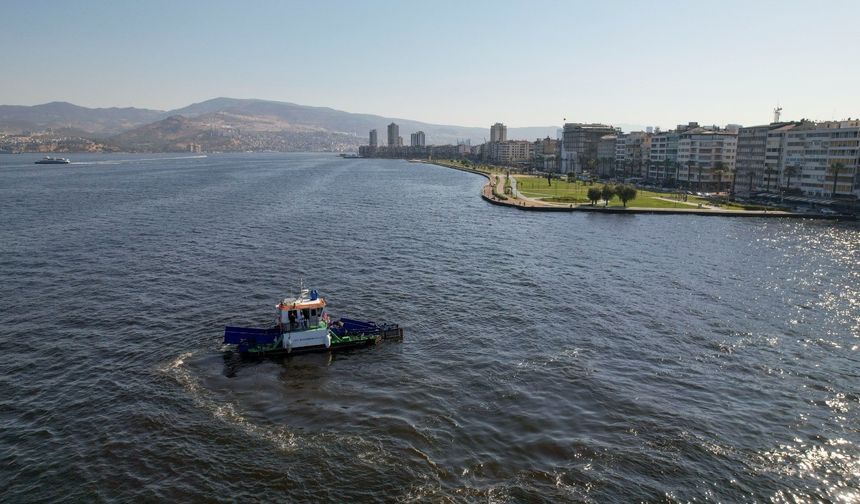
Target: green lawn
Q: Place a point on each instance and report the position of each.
(576, 192)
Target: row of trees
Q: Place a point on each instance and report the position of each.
(718, 169)
(625, 193)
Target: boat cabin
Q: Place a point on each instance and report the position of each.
(304, 312)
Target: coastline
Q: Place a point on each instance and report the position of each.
(490, 196)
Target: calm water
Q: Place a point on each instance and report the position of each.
(547, 357)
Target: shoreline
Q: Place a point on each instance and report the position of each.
(534, 206)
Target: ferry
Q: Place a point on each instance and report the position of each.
(303, 325)
(53, 160)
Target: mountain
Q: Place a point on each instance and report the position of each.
(220, 118)
(230, 131)
(62, 115)
(351, 123)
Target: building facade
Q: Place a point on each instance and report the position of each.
(663, 156)
(822, 159)
(579, 146)
(417, 139)
(707, 158)
(759, 157)
(545, 155)
(498, 132)
(606, 156)
(373, 139)
(394, 135)
(632, 152)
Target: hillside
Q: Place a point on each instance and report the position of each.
(222, 131)
(62, 115)
(234, 124)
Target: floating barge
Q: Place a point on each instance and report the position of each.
(302, 325)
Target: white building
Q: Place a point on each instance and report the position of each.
(811, 153)
(707, 157)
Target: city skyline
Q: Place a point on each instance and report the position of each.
(646, 64)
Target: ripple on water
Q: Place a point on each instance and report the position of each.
(548, 357)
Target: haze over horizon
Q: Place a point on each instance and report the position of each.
(657, 64)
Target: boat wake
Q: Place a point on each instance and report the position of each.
(225, 411)
(368, 452)
(122, 161)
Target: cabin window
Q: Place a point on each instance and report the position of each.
(314, 312)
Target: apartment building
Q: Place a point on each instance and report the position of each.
(579, 145)
(606, 156)
(822, 159)
(707, 157)
(632, 153)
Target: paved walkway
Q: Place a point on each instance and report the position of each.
(497, 180)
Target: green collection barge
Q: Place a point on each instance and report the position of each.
(302, 325)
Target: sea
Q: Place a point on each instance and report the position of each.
(548, 357)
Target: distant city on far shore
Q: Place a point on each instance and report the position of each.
(803, 158)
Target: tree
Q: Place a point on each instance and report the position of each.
(790, 171)
(626, 193)
(835, 168)
(734, 180)
(690, 165)
(607, 192)
(719, 169)
(594, 194)
(768, 171)
(699, 179)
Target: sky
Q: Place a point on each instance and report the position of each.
(468, 63)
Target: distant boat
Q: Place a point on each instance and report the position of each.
(53, 160)
(350, 156)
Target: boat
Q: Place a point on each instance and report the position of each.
(302, 324)
(53, 160)
(350, 156)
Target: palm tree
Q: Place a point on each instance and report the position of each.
(699, 178)
(790, 171)
(768, 171)
(677, 171)
(690, 164)
(835, 168)
(719, 169)
(734, 181)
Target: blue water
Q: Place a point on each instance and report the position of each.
(547, 358)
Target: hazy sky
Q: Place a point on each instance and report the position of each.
(468, 63)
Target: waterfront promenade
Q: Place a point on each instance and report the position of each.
(494, 192)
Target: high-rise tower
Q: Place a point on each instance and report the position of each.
(393, 135)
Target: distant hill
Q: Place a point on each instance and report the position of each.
(351, 123)
(62, 115)
(219, 118)
(230, 131)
